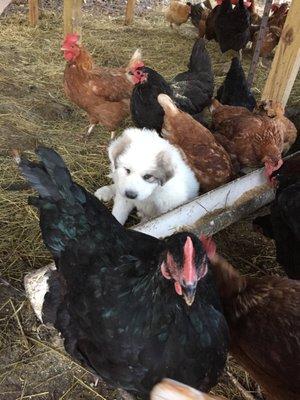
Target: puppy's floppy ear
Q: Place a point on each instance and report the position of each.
(164, 167)
(116, 148)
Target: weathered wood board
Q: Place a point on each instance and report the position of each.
(286, 62)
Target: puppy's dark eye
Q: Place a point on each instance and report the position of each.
(127, 171)
(147, 177)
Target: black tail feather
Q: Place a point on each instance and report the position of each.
(200, 59)
(50, 177)
(39, 179)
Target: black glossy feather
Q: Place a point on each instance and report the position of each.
(191, 90)
(234, 91)
(146, 112)
(118, 315)
(195, 14)
(285, 217)
(232, 26)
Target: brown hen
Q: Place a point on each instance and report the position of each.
(104, 93)
(263, 315)
(272, 35)
(208, 159)
(253, 139)
(279, 15)
(177, 13)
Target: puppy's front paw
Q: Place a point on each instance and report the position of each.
(104, 194)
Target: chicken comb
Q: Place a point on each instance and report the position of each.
(188, 266)
(71, 38)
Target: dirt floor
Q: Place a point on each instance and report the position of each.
(33, 109)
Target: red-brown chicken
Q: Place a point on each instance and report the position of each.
(272, 35)
(208, 159)
(254, 139)
(104, 93)
(177, 13)
(279, 15)
(263, 315)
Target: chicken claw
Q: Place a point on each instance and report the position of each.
(85, 136)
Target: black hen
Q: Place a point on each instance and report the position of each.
(131, 308)
(235, 91)
(232, 26)
(191, 90)
(285, 217)
(196, 12)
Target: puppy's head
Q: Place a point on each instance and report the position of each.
(140, 163)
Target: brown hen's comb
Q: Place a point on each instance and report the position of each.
(71, 38)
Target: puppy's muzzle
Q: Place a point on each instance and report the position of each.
(130, 194)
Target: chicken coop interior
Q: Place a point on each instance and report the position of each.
(34, 110)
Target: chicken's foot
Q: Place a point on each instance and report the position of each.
(263, 62)
(87, 134)
(112, 135)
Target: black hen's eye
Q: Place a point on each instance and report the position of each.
(127, 171)
(147, 177)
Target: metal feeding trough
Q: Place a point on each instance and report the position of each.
(208, 213)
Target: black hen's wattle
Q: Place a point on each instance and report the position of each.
(234, 91)
(118, 315)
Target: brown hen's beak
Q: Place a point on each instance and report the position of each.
(63, 48)
(188, 293)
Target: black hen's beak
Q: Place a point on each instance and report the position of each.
(188, 293)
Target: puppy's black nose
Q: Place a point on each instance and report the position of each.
(130, 194)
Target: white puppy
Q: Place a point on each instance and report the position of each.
(148, 173)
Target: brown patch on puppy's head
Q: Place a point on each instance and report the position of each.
(164, 170)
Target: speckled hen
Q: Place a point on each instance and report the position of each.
(207, 158)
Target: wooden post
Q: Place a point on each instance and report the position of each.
(286, 62)
(129, 11)
(261, 35)
(33, 12)
(72, 16)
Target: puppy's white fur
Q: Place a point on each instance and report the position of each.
(145, 165)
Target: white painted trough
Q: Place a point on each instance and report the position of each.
(208, 213)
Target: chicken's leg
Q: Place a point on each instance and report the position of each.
(263, 62)
(87, 134)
